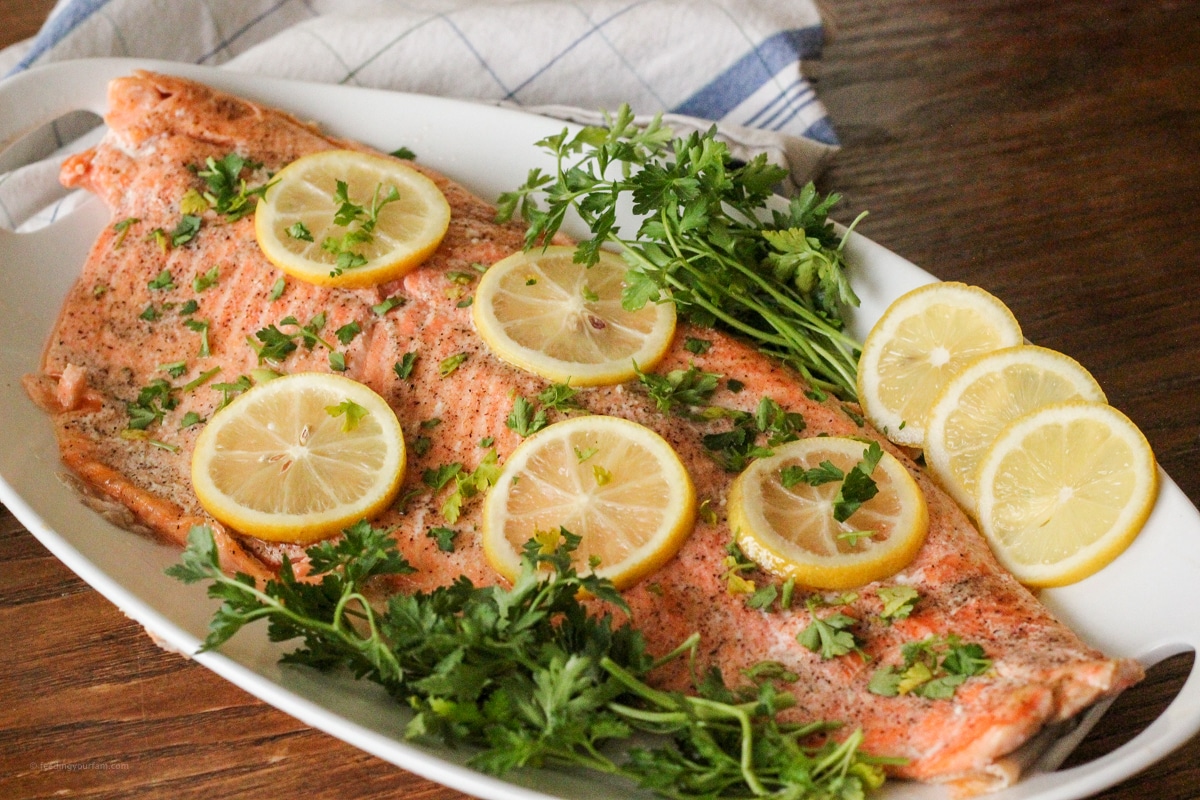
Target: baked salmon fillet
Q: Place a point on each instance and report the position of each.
(145, 311)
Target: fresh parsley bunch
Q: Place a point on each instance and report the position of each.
(532, 677)
(705, 240)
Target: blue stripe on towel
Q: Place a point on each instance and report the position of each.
(58, 28)
(751, 71)
(226, 41)
(822, 131)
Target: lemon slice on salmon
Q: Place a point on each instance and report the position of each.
(784, 512)
(922, 340)
(616, 484)
(548, 314)
(1064, 490)
(348, 218)
(299, 458)
(990, 392)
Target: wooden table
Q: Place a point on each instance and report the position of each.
(1049, 152)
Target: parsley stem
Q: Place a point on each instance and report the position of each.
(707, 710)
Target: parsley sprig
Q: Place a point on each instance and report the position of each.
(359, 222)
(529, 675)
(705, 239)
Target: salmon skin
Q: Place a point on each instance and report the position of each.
(124, 327)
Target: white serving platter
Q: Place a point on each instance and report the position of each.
(1142, 606)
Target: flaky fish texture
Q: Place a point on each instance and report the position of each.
(106, 347)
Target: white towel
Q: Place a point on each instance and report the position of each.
(742, 64)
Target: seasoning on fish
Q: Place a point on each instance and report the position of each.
(133, 369)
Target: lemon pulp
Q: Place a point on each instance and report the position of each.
(791, 530)
(616, 484)
(548, 314)
(309, 230)
(299, 458)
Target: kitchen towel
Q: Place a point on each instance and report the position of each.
(742, 64)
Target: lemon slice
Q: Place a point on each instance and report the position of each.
(547, 314)
(920, 342)
(377, 239)
(617, 484)
(299, 458)
(990, 392)
(1064, 490)
(791, 530)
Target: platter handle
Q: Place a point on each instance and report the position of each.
(1142, 606)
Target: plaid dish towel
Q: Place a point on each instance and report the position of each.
(742, 65)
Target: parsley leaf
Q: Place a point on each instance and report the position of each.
(898, 601)
(359, 222)
(559, 397)
(352, 412)
(404, 367)
(830, 636)
(523, 419)
(858, 486)
(347, 332)
(299, 231)
(447, 366)
(201, 327)
(444, 538)
(734, 449)
(162, 282)
(121, 228)
(186, 230)
(388, 303)
(469, 484)
(206, 280)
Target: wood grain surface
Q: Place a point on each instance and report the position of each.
(1047, 151)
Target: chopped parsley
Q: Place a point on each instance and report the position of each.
(206, 280)
(347, 332)
(898, 601)
(680, 389)
(830, 636)
(933, 668)
(298, 230)
(524, 419)
(404, 367)
(736, 447)
(351, 412)
(858, 486)
(559, 397)
(162, 282)
(122, 228)
(226, 189)
(444, 538)
(395, 301)
(447, 366)
(185, 230)
(200, 327)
